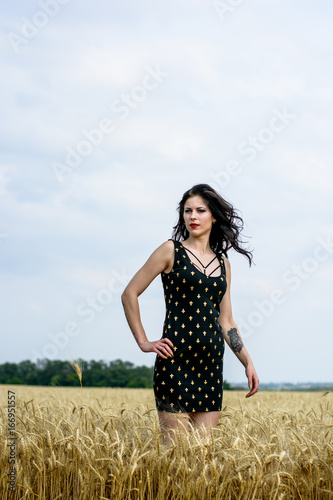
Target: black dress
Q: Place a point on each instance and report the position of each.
(191, 380)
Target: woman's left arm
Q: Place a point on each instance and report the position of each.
(232, 336)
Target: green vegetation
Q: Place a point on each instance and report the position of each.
(48, 372)
(60, 373)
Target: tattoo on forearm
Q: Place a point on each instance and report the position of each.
(235, 340)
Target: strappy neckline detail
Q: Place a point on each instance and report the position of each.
(204, 267)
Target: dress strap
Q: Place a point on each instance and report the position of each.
(222, 264)
(175, 242)
(204, 267)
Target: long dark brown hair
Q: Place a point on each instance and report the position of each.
(225, 232)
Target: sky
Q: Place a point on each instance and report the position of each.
(110, 112)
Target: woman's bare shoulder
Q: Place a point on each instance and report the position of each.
(166, 252)
(166, 248)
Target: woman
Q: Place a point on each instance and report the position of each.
(196, 277)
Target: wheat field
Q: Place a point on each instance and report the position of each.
(102, 443)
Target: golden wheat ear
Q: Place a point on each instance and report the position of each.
(77, 369)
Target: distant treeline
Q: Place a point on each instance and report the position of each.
(61, 373)
(94, 374)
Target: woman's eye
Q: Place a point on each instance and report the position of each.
(188, 210)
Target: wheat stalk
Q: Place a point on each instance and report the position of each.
(78, 370)
(279, 449)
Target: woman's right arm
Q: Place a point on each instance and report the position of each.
(159, 260)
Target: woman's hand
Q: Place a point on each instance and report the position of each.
(162, 347)
(253, 380)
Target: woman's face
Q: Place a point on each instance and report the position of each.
(197, 216)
